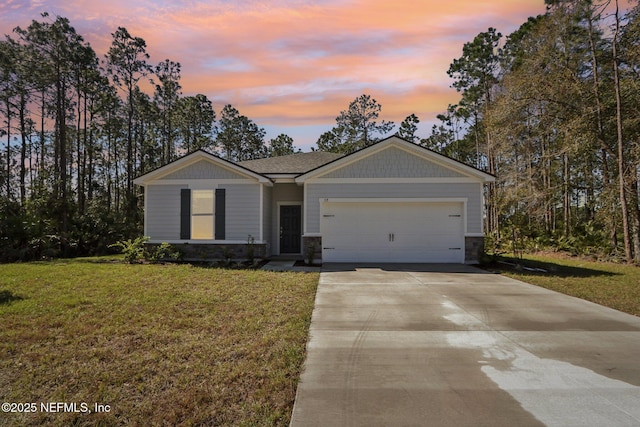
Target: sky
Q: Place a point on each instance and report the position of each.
(292, 65)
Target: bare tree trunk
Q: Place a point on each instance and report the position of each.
(8, 180)
(62, 153)
(621, 163)
(90, 154)
(606, 174)
(109, 179)
(635, 217)
(23, 151)
(80, 183)
(129, 196)
(546, 180)
(42, 136)
(83, 163)
(566, 197)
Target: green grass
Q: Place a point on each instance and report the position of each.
(159, 344)
(612, 285)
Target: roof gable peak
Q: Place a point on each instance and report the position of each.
(402, 144)
(194, 157)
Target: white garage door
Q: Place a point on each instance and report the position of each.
(392, 232)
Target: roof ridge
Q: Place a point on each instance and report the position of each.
(295, 163)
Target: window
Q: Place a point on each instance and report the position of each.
(202, 214)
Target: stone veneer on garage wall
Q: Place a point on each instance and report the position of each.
(314, 242)
(473, 248)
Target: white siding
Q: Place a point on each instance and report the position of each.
(163, 211)
(243, 211)
(203, 169)
(393, 162)
(471, 191)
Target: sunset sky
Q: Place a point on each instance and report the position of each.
(293, 65)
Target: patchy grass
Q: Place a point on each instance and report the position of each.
(159, 344)
(613, 285)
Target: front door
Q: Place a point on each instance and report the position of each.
(290, 229)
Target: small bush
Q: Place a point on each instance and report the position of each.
(136, 251)
(310, 252)
(133, 250)
(165, 251)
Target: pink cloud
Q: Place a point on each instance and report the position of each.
(299, 62)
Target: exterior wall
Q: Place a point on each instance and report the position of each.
(242, 211)
(288, 192)
(267, 224)
(471, 191)
(162, 212)
(203, 169)
(473, 249)
(393, 163)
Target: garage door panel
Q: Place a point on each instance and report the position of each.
(392, 232)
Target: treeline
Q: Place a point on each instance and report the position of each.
(553, 110)
(76, 130)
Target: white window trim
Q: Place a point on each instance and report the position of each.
(212, 214)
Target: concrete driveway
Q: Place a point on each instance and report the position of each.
(452, 345)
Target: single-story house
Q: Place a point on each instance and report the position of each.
(393, 201)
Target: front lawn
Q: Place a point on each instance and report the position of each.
(158, 344)
(612, 285)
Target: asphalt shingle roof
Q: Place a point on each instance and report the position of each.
(293, 163)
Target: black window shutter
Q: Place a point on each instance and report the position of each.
(220, 214)
(185, 214)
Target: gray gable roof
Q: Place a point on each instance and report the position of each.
(293, 163)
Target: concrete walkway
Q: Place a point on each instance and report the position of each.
(451, 345)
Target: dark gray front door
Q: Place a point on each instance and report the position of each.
(290, 229)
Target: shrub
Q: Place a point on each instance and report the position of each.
(165, 251)
(133, 250)
(310, 252)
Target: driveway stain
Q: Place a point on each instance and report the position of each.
(450, 345)
(555, 392)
